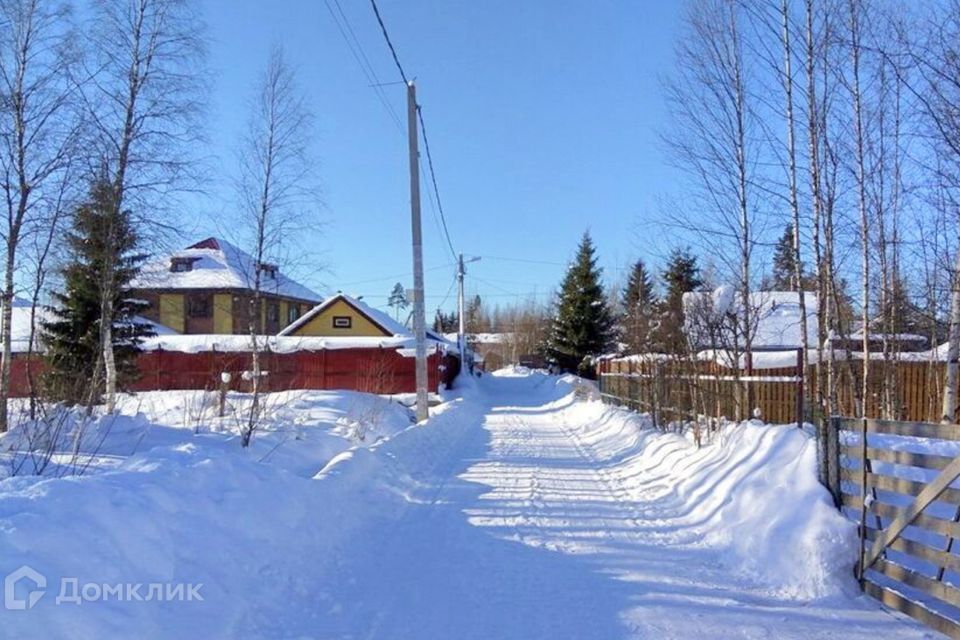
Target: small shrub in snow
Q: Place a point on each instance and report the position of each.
(58, 441)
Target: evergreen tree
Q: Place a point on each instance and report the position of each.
(638, 302)
(398, 300)
(100, 239)
(476, 320)
(582, 324)
(446, 322)
(784, 277)
(681, 275)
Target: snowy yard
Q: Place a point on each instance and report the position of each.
(520, 510)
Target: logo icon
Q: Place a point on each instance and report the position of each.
(24, 573)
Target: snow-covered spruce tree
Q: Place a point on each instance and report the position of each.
(102, 247)
(582, 324)
(681, 275)
(639, 302)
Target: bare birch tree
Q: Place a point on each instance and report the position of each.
(275, 191)
(143, 97)
(38, 136)
(936, 61)
(855, 16)
(712, 140)
(817, 39)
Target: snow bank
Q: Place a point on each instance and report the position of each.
(181, 503)
(751, 499)
(196, 343)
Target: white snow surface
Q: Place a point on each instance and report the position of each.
(21, 314)
(521, 509)
(777, 317)
(196, 343)
(227, 267)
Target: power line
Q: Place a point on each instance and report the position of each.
(398, 275)
(433, 178)
(386, 37)
(527, 260)
(497, 287)
(446, 296)
(423, 131)
(356, 49)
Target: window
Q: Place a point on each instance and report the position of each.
(293, 312)
(273, 312)
(179, 265)
(342, 322)
(199, 305)
(268, 270)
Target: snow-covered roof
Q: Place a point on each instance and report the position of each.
(377, 317)
(777, 318)
(195, 343)
(894, 337)
(216, 264)
(20, 325)
(482, 338)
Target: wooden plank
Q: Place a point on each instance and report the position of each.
(930, 492)
(936, 525)
(933, 430)
(915, 610)
(924, 460)
(936, 557)
(939, 590)
(898, 485)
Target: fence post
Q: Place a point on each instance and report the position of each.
(224, 387)
(801, 371)
(830, 465)
(655, 409)
(601, 371)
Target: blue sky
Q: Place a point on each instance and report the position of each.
(543, 118)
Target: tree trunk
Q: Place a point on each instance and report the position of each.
(794, 202)
(952, 374)
(6, 338)
(861, 204)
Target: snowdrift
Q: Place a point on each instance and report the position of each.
(168, 504)
(750, 499)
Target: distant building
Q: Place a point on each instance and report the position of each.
(344, 316)
(777, 320)
(207, 288)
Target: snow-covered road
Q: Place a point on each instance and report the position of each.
(518, 511)
(548, 522)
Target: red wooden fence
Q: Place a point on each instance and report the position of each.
(370, 370)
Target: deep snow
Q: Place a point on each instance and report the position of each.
(521, 509)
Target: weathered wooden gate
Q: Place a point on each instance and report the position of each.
(896, 480)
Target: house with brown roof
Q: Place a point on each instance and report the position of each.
(208, 288)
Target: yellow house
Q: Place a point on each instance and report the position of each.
(208, 288)
(344, 316)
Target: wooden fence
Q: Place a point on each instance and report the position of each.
(683, 389)
(895, 479)
(371, 370)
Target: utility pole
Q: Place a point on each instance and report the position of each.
(461, 332)
(419, 312)
(461, 312)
